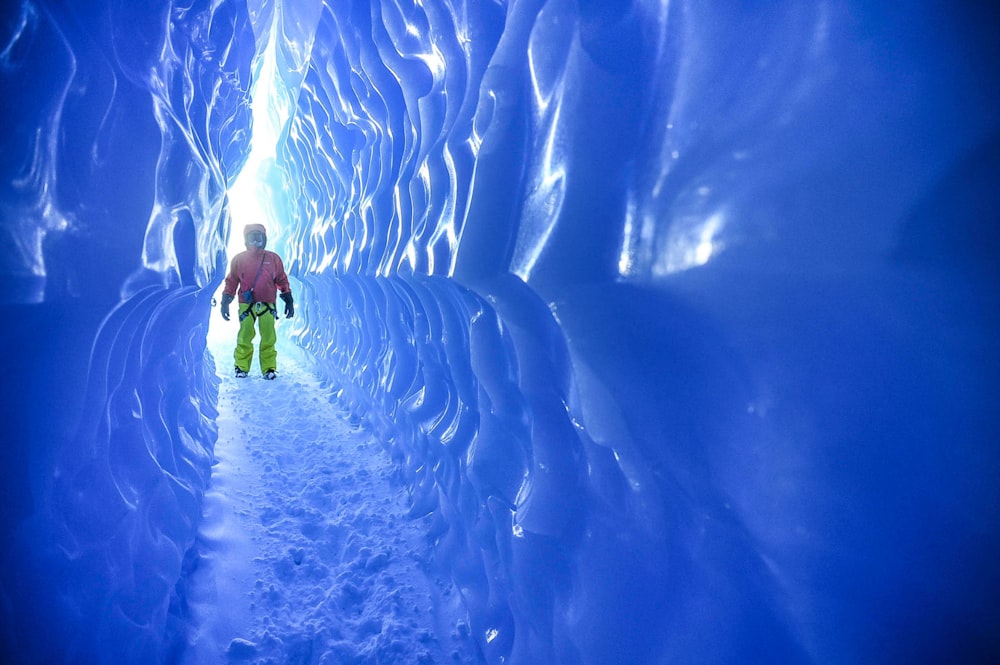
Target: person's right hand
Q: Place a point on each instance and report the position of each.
(226, 299)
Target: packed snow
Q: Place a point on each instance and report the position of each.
(306, 553)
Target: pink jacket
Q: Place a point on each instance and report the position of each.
(243, 269)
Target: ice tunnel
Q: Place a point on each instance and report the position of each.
(679, 318)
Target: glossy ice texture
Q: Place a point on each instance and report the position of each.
(678, 317)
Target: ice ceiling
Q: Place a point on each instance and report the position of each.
(679, 318)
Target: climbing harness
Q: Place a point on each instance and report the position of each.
(257, 309)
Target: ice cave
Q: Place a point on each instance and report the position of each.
(674, 324)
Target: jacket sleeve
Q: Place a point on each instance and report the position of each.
(232, 279)
(280, 278)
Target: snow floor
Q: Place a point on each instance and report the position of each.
(306, 554)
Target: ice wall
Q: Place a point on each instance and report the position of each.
(121, 124)
(678, 317)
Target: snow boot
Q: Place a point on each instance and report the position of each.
(270, 375)
(241, 374)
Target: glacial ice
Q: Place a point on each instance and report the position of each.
(678, 318)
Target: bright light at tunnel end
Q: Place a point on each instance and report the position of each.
(251, 194)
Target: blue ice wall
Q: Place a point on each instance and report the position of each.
(679, 318)
(121, 123)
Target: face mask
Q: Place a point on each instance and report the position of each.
(256, 239)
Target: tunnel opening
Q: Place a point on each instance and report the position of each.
(255, 195)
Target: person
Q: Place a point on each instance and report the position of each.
(259, 275)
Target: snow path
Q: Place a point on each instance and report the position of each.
(306, 554)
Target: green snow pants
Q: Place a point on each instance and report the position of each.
(262, 313)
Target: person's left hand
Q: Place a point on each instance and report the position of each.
(289, 304)
(226, 299)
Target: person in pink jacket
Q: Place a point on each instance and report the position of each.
(258, 275)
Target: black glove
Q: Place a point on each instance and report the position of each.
(226, 299)
(289, 304)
